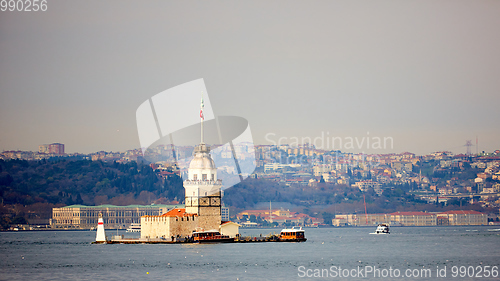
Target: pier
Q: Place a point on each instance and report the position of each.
(245, 239)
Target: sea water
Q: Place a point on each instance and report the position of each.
(329, 253)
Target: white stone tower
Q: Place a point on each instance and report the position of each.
(101, 235)
(203, 189)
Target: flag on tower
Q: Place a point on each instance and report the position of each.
(201, 108)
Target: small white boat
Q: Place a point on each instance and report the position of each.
(134, 227)
(382, 228)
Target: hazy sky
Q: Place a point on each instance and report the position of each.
(426, 73)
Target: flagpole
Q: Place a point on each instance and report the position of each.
(201, 116)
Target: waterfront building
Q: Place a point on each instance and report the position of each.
(361, 219)
(230, 229)
(279, 216)
(413, 219)
(263, 213)
(462, 217)
(114, 217)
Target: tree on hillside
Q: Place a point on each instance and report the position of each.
(327, 218)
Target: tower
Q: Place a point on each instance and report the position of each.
(203, 188)
(101, 235)
(468, 144)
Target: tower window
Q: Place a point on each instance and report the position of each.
(213, 177)
(204, 177)
(195, 177)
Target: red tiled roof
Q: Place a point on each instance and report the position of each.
(463, 212)
(411, 214)
(301, 215)
(178, 212)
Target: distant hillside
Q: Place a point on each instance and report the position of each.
(30, 189)
(83, 182)
(327, 199)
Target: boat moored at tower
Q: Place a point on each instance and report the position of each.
(294, 234)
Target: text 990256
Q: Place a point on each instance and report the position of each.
(23, 5)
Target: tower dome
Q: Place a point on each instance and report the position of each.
(202, 166)
(202, 159)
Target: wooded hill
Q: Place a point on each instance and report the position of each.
(84, 182)
(30, 189)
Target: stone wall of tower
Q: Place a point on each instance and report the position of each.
(182, 227)
(209, 218)
(166, 227)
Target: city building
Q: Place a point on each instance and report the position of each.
(364, 185)
(53, 148)
(276, 166)
(360, 219)
(462, 217)
(279, 216)
(44, 148)
(322, 169)
(114, 217)
(413, 218)
(397, 218)
(224, 214)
